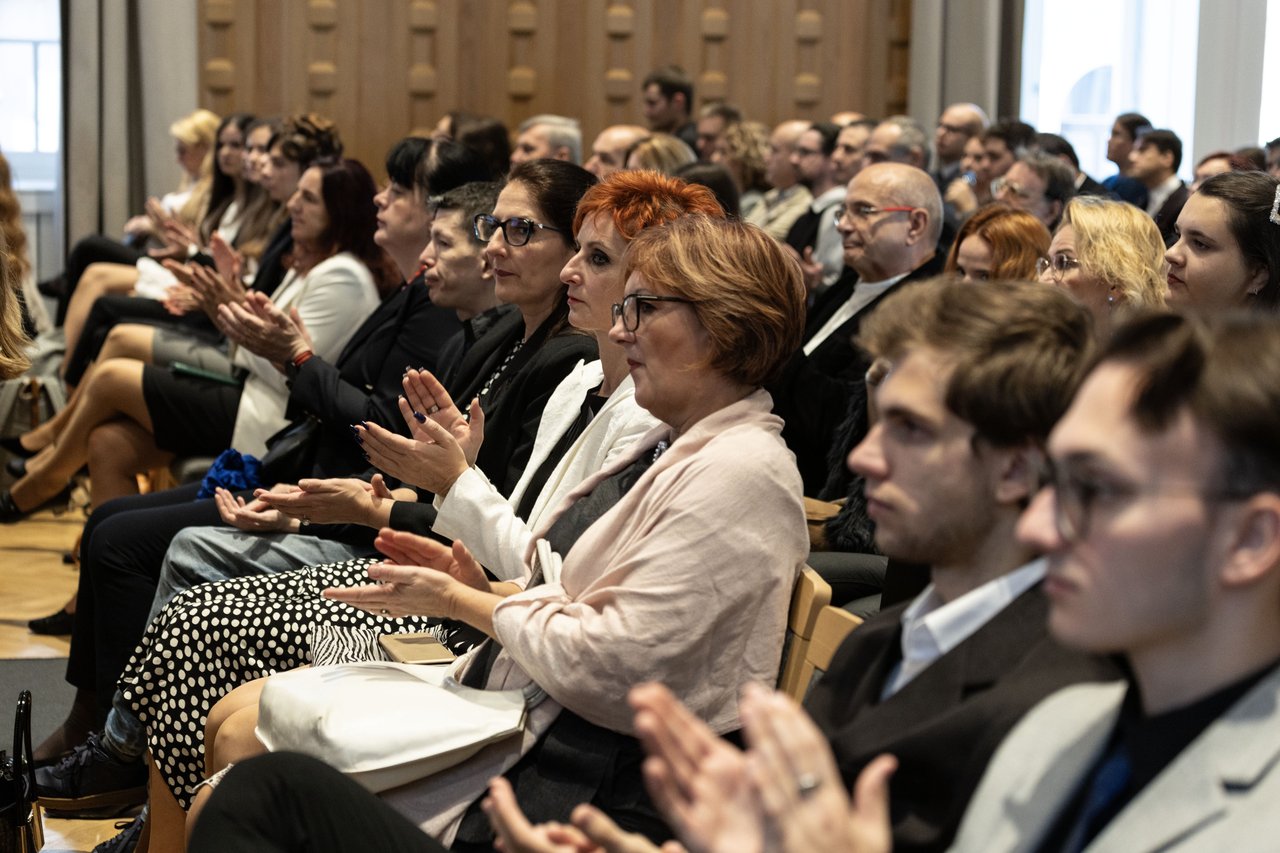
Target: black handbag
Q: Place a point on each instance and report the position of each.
(291, 453)
(21, 826)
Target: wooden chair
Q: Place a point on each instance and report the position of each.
(810, 596)
(832, 626)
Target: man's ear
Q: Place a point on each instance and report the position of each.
(1254, 549)
(919, 225)
(1017, 473)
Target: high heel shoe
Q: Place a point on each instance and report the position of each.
(13, 444)
(10, 513)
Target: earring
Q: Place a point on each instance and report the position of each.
(1111, 299)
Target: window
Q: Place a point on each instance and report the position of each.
(30, 89)
(1087, 61)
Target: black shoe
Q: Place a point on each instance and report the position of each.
(17, 467)
(91, 779)
(126, 841)
(10, 514)
(54, 625)
(13, 444)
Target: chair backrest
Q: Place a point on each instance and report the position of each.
(829, 631)
(810, 596)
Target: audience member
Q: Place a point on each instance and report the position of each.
(660, 152)
(897, 139)
(13, 339)
(1155, 160)
(846, 117)
(1108, 255)
(1004, 142)
(549, 136)
(668, 104)
(972, 188)
(1057, 146)
(716, 178)
(787, 199)
(1251, 157)
(1227, 254)
(1124, 134)
(713, 121)
(813, 236)
(1273, 157)
(1039, 184)
(956, 126)
(741, 150)
(1213, 163)
(609, 150)
(850, 148)
(998, 242)
(890, 223)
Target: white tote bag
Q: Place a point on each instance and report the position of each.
(386, 724)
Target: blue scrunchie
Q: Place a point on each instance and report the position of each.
(233, 471)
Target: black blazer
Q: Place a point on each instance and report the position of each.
(1167, 216)
(513, 407)
(814, 392)
(405, 330)
(945, 724)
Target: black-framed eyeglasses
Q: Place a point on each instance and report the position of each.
(1076, 494)
(517, 230)
(629, 308)
(1059, 263)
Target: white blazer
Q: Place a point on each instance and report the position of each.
(333, 299)
(475, 512)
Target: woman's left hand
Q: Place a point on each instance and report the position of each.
(433, 459)
(413, 590)
(334, 501)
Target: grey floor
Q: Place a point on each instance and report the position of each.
(50, 696)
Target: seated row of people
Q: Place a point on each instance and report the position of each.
(535, 248)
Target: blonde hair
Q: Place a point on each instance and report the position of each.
(15, 238)
(198, 128)
(1121, 246)
(660, 152)
(748, 145)
(13, 339)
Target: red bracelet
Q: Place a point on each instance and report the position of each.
(302, 358)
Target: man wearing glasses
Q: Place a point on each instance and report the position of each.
(1038, 184)
(1162, 531)
(889, 226)
(813, 236)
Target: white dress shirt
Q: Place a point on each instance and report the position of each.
(1160, 194)
(864, 293)
(828, 249)
(931, 628)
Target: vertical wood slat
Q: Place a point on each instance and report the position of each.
(381, 68)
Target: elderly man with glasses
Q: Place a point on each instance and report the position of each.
(1038, 184)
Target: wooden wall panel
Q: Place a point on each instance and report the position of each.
(381, 68)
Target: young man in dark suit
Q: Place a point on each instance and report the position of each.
(1155, 160)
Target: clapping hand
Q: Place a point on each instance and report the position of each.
(434, 458)
(422, 580)
(255, 516)
(335, 501)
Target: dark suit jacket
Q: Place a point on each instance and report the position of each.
(405, 331)
(1092, 187)
(945, 724)
(814, 392)
(1167, 216)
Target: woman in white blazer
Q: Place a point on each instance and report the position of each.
(136, 416)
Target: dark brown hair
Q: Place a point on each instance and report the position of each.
(1017, 350)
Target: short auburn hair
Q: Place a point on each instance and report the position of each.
(635, 200)
(1017, 240)
(1017, 350)
(748, 293)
